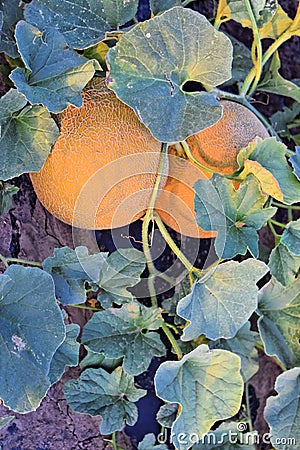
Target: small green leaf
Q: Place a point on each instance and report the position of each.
(67, 353)
(167, 414)
(5, 420)
(178, 46)
(70, 269)
(148, 443)
(235, 215)
(208, 386)
(55, 75)
(263, 152)
(295, 161)
(226, 437)
(7, 191)
(284, 265)
(274, 83)
(109, 395)
(26, 137)
(32, 329)
(158, 6)
(125, 332)
(217, 306)
(279, 324)
(244, 345)
(10, 13)
(283, 411)
(291, 237)
(121, 270)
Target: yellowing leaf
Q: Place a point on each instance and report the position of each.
(279, 23)
(268, 182)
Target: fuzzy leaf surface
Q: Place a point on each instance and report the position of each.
(54, 75)
(284, 265)
(291, 237)
(151, 63)
(32, 329)
(126, 332)
(208, 386)
(283, 411)
(216, 306)
(27, 134)
(279, 324)
(109, 395)
(242, 344)
(70, 269)
(67, 353)
(235, 215)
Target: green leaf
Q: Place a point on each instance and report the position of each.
(7, 191)
(291, 237)
(263, 11)
(27, 135)
(121, 270)
(283, 411)
(295, 161)
(274, 83)
(125, 332)
(244, 345)
(217, 306)
(208, 386)
(148, 443)
(10, 13)
(109, 395)
(70, 269)
(32, 329)
(226, 437)
(151, 80)
(235, 215)
(55, 75)
(270, 156)
(242, 62)
(67, 353)
(5, 420)
(158, 6)
(279, 324)
(284, 265)
(167, 414)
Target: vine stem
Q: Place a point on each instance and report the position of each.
(172, 340)
(276, 235)
(247, 399)
(290, 207)
(279, 224)
(176, 250)
(6, 261)
(191, 157)
(114, 440)
(148, 218)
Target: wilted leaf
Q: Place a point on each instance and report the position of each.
(148, 443)
(263, 11)
(283, 411)
(178, 46)
(27, 134)
(208, 386)
(242, 344)
(67, 353)
(109, 395)
(32, 329)
(295, 161)
(274, 83)
(279, 323)
(7, 191)
(261, 158)
(126, 332)
(10, 13)
(55, 75)
(121, 270)
(235, 215)
(284, 265)
(217, 306)
(279, 23)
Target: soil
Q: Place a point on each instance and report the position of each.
(28, 231)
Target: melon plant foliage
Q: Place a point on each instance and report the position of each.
(204, 331)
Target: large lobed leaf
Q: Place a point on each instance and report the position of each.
(109, 395)
(208, 386)
(27, 135)
(152, 62)
(219, 305)
(54, 75)
(31, 330)
(126, 332)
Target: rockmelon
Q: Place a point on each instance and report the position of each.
(102, 169)
(215, 147)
